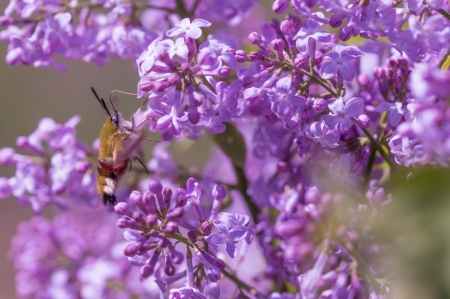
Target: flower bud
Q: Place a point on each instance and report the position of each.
(175, 213)
(345, 33)
(378, 72)
(7, 156)
(126, 223)
(285, 27)
(146, 85)
(363, 80)
(312, 195)
(336, 20)
(136, 197)
(241, 56)
(278, 46)
(255, 56)
(255, 38)
(224, 71)
(171, 227)
(320, 105)
(131, 249)
(363, 121)
(167, 195)
(5, 188)
(219, 192)
(169, 269)
(155, 186)
(193, 235)
(122, 209)
(151, 220)
(147, 271)
(206, 227)
(280, 6)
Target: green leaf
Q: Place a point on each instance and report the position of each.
(445, 62)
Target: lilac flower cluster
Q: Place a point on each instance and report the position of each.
(313, 134)
(72, 256)
(56, 169)
(37, 31)
(156, 226)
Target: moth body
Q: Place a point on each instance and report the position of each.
(119, 139)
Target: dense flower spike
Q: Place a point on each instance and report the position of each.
(312, 137)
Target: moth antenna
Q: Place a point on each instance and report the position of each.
(101, 101)
(136, 158)
(119, 91)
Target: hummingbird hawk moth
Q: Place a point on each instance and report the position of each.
(119, 139)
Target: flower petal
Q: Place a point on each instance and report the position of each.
(237, 233)
(194, 32)
(231, 249)
(215, 239)
(175, 31)
(354, 107)
(201, 23)
(328, 70)
(347, 72)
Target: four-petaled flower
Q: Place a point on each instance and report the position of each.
(232, 229)
(339, 63)
(190, 29)
(343, 111)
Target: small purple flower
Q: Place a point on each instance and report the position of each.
(189, 29)
(212, 54)
(338, 62)
(408, 151)
(227, 237)
(342, 113)
(284, 99)
(308, 35)
(186, 293)
(396, 112)
(233, 229)
(322, 134)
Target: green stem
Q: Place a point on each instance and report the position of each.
(380, 150)
(444, 13)
(319, 81)
(373, 151)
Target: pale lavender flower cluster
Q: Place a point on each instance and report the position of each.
(38, 31)
(313, 136)
(56, 169)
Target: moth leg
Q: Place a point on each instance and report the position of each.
(137, 111)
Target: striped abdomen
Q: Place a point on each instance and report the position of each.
(107, 176)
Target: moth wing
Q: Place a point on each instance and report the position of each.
(128, 146)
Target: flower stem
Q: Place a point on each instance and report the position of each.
(444, 13)
(380, 150)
